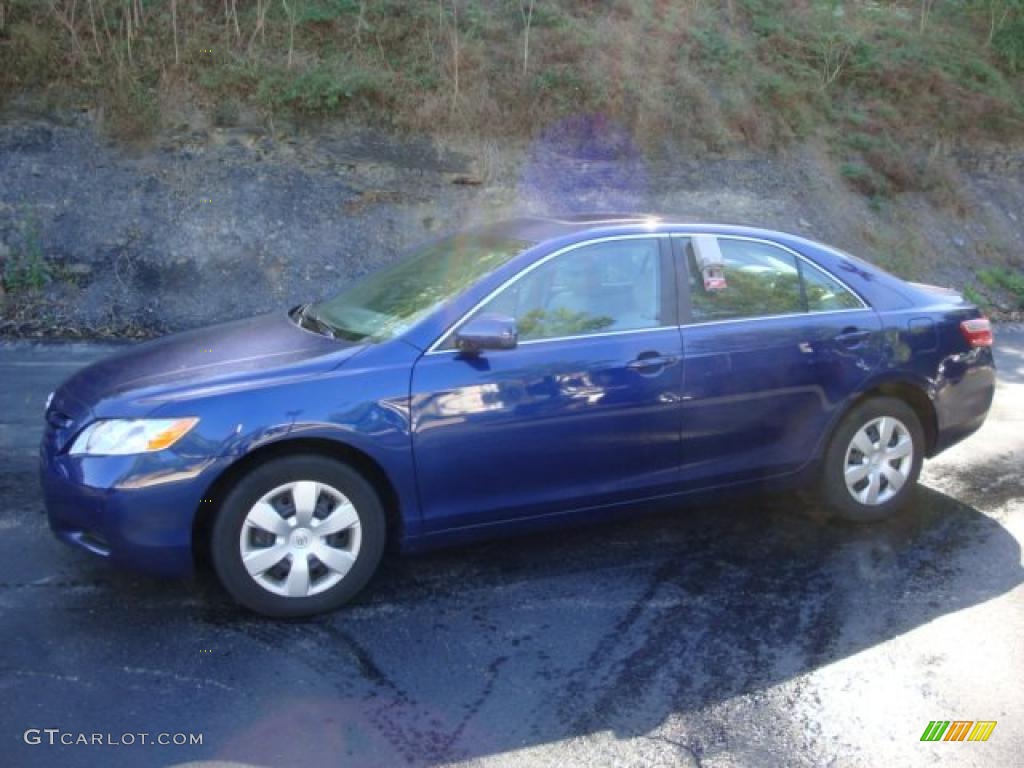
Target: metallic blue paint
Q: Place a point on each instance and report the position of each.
(552, 427)
(758, 394)
(546, 433)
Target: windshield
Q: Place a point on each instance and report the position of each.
(383, 304)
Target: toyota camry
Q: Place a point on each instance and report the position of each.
(525, 374)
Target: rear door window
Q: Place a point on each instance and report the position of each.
(753, 280)
(825, 293)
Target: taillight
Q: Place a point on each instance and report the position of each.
(977, 331)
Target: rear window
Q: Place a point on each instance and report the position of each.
(758, 279)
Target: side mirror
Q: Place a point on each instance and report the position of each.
(489, 330)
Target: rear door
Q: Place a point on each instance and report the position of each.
(585, 411)
(773, 345)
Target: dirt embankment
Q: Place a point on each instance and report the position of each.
(205, 224)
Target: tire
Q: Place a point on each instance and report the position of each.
(298, 509)
(881, 479)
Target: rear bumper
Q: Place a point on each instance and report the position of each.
(121, 510)
(964, 396)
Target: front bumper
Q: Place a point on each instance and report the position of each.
(134, 511)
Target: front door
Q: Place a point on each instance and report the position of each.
(583, 412)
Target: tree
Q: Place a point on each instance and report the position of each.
(997, 14)
(526, 9)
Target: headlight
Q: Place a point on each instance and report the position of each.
(119, 437)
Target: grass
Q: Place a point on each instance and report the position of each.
(1005, 279)
(875, 81)
(973, 296)
(26, 269)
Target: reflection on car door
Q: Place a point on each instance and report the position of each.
(585, 411)
(764, 372)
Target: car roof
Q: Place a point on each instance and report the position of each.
(538, 229)
(541, 228)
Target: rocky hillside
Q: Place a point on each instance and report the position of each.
(164, 163)
(202, 223)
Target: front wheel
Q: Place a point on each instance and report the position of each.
(873, 460)
(297, 536)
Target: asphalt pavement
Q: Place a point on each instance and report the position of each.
(751, 632)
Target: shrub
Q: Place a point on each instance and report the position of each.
(26, 268)
(972, 295)
(1006, 279)
(865, 180)
(764, 71)
(30, 56)
(1008, 43)
(325, 90)
(132, 110)
(321, 11)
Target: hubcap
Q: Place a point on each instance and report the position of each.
(878, 460)
(300, 539)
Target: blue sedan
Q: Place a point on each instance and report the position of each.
(525, 374)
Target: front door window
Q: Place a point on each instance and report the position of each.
(604, 287)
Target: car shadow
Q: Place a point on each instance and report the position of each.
(482, 650)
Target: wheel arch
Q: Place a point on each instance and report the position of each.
(359, 460)
(911, 393)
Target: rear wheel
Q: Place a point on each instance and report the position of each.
(873, 460)
(297, 536)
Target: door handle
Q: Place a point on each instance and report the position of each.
(851, 337)
(650, 362)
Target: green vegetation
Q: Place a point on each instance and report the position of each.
(26, 269)
(1005, 279)
(879, 82)
(972, 295)
(542, 323)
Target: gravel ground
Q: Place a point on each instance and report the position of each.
(749, 633)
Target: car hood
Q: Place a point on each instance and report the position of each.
(220, 353)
